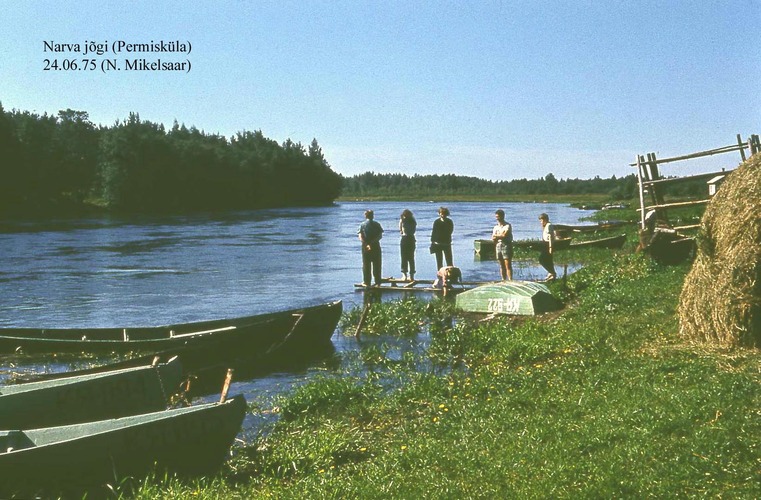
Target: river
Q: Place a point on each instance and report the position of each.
(141, 271)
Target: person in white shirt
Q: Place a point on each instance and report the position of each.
(502, 235)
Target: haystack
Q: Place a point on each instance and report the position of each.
(721, 299)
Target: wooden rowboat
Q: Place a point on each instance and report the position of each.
(85, 398)
(485, 249)
(611, 242)
(189, 441)
(583, 228)
(524, 298)
(671, 249)
(262, 332)
(269, 339)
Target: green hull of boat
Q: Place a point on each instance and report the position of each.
(523, 298)
(70, 459)
(86, 398)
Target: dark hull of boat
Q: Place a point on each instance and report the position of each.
(64, 460)
(612, 242)
(583, 228)
(261, 332)
(672, 252)
(288, 335)
(485, 249)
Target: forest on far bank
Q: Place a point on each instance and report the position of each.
(52, 164)
(57, 164)
(401, 186)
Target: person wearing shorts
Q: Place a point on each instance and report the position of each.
(502, 235)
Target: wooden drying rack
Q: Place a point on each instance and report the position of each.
(651, 180)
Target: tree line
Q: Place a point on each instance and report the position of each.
(400, 185)
(56, 163)
(397, 186)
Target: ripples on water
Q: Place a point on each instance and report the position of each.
(141, 271)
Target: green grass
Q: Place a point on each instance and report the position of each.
(604, 400)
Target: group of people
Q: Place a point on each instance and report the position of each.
(370, 233)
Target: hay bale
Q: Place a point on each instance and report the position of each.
(720, 302)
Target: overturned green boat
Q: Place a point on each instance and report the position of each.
(523, 298)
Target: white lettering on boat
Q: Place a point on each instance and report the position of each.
(505, 306)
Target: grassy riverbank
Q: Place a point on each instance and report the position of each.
(602, 400)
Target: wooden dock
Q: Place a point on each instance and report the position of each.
(399, 285)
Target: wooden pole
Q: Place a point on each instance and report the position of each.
(725, 149)
(641, 191)
(742, 146)
(664, 206)
(362, 318)
(651, 175)
(675, 180)
(655, 175)
(226, 386)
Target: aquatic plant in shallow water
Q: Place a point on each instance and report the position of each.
(404, 317)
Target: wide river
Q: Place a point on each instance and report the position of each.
(141, 271)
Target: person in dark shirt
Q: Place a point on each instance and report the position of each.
(441, 238)
(548, 238)
(407, 227)
(370, 233)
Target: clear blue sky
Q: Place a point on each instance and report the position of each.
(495, 89)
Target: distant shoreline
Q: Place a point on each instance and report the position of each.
(593, 200)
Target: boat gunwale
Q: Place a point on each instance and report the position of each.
(136, 420)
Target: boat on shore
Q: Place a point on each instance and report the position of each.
(565, 230)
(520, 298)
(261, 332)
(610, 242)
(485, 249)
(84, 398)
(67, 460)
(270, 338)
(670, 247)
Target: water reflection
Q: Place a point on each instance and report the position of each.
(142, 271)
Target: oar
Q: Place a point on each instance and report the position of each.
(362, 320)
(226, 386)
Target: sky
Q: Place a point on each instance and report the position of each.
(499, 90)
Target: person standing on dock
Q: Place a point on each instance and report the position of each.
(441, 238)
(407, 227)
(370, 233)
(502, 235)
(548, 238)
